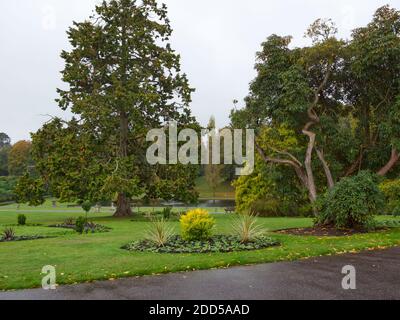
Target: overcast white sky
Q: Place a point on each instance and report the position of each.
(217, 39)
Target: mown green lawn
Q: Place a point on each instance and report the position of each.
(81, 258)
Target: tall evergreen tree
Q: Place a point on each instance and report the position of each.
(123, 79)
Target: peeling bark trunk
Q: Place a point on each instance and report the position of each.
(308, 164)
(123, 207)
(395, 157)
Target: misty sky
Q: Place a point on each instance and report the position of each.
(217, 39)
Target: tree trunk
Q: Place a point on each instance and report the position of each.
(308, 164)
(327, 170)
(395, 157)
(123, 207)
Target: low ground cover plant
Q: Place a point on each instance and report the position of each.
(215, 244)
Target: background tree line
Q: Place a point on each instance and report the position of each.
(15, 161)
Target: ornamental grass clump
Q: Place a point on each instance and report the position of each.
(246, 228)
(159, 232)
(8, 234)
(197, 225)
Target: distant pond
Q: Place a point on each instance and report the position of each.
(202, 204)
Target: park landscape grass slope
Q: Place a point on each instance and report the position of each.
(85, 258)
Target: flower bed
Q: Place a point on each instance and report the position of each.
(216, 244)
(89, 228)
(24, 238)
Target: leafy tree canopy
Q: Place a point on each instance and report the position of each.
(123, 79)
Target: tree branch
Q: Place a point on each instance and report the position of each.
(328, 173)
(395, 157)
(297, 166)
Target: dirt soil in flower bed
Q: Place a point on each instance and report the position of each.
(321, 232)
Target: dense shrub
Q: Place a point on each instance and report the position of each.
(21, 220)
(80, 224)
(391, 190)
(352, 203)
(87, 206)
(197, 225)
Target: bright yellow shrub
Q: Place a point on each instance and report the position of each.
(197, 225)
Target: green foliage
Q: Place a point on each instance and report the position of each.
(159, 232)
(391, 190)
(270, 192)
(247, 228)
(4, 140)
(122, 79)
(31, 191)
(197, 225)
(4, 151)
(7, 185)
(87, 206)
(345, 94)
(389, 224)
(250, 189)
(167, 212)
(352, 203)
(216, 244)
(80, 224)
(21, 219)
(20, 158)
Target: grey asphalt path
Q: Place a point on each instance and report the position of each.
(378, 277)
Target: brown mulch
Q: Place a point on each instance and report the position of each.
(320, 232)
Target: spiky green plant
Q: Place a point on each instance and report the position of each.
(245, 226)
(159, 232)
(8, 234)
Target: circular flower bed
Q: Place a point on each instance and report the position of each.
(216, 244)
